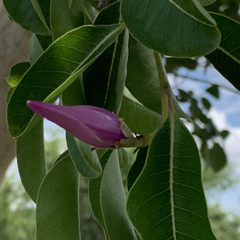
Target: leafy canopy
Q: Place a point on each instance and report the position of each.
(109, 55)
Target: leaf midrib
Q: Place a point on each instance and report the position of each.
(172, 130)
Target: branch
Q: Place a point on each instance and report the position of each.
(207, 81)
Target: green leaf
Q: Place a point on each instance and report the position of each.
(217, 157)
(142, 78)
(123, 157)
(138, 118)
(56, 69)
(214, 91)
(31, 159)
(58, 202)
(206, 103)
(25, 16)
(94, 192)
(85, 160)
(110, 14)
(113, 202)
(74, 94)
(65, 16)
(206, 2)
(183, 96)
(45, 41)
(168, 194)
(171, 27)
(226, 58)
(105, 89)
(37, 45)
(224, 133)
(108, 200)
(16, 73)
(137, 167)
(35, 49)
(42, 7)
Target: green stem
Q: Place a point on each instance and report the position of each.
(166, 100)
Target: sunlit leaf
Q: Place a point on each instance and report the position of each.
(56, 69)
(171, 27)
(17, 72)
(58, 202)
(168, 194)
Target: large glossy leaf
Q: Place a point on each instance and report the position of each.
(86, 160)
(31, 159)
(108, 199)
(104, 80)
(56, 69)
(65, 16)
(226, 58)
(171, 27)
(24, 14)
(138, 118)
(168, 194)
(58, 202)
(142, 78)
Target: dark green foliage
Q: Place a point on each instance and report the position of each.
(109, 59)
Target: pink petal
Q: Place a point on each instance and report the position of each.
(95, 126)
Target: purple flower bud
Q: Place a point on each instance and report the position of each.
(95, 126)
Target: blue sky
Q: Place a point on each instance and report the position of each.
(225, 113)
